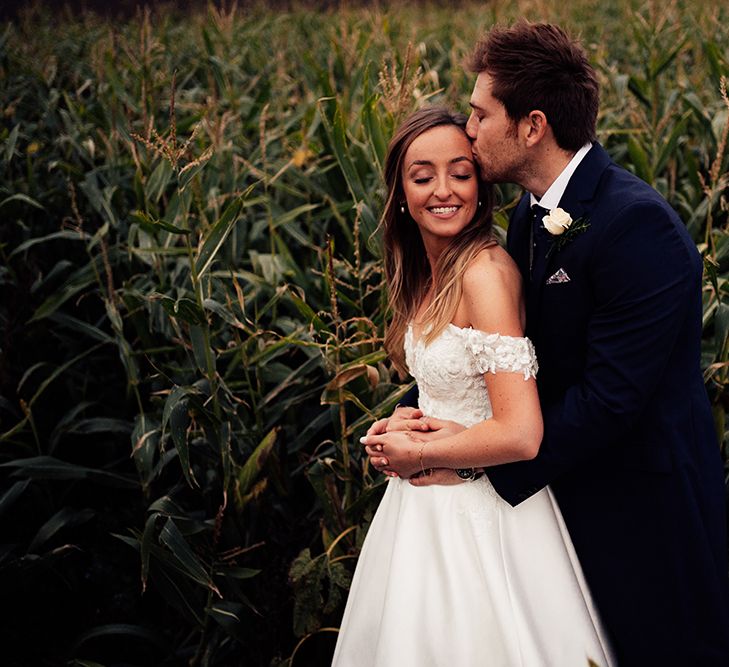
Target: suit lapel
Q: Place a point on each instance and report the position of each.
(576, 200)
(518, 235)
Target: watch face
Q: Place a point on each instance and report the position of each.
(464, 473)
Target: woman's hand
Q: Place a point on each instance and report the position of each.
(402, 419)
(409, 420)
(396, 452)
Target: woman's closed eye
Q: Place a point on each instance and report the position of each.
(422, 180)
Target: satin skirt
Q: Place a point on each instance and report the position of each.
(453, 576)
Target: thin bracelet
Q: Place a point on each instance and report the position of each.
(420, 456)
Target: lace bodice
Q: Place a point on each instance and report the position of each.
(450, 369)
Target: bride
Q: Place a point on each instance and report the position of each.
(451, 575)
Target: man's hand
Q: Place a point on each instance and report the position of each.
(439, 476)
(440, 428)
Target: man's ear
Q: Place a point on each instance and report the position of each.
(535, 127)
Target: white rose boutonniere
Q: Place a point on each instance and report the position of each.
(557, 221)
(563, 228)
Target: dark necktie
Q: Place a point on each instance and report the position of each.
(540, 241)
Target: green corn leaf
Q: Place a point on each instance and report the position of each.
(716, 58)
(345, 376)
(306, 310)
(200, 349)
(10, 143)
(370, 359)
(145, 546)
(333, 121)
(639, 88)
(721, 324)
(666, 59)
(336, 396)
(384, 407)
(225, 314)
(7, 500)
(101, 425)
(28, 374)
(668, 150)
(640, 160)
(66, 517)
(376, 132)
(327, 493)
(163, 251)
(126, 630)
(48, 467)
(239, 572)
(80, 326)
(188, 173)
(178, 422)
(158, 181)
(176, 588)
(183, 309)
(289, 216)
(216, 235)
(296, 377)
(76, 282)
(313, 427)
(229, 616)
(44, 385)
(151, 225)
(173, 539)
(165, 506)
(368, 497)
(66, 422)
(255, 462)
(369, 225)
(32, 202)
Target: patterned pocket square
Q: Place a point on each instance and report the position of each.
(559, 277)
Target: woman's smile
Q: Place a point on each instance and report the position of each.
(444, 211)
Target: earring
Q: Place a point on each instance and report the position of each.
(479, 203)
(402, 209)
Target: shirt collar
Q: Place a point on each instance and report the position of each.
(550, 199)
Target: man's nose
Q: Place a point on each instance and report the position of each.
(472, 126)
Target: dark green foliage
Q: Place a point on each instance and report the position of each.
(191, 302)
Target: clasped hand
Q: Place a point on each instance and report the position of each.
(394, 446)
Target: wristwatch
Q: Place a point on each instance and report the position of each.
(466, 473)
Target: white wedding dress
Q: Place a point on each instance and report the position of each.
(453, 576)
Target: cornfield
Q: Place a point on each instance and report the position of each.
(192, 299)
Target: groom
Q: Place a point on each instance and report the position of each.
(613, 296)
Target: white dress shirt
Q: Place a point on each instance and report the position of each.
(550, 199)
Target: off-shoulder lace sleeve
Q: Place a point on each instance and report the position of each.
(493, 352)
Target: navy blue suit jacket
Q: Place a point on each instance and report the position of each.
(629, 447)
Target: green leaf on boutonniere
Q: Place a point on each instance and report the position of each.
(575, 229)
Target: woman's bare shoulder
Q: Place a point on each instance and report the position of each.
(492, 295)
(492, 266)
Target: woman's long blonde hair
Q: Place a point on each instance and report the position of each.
(407, 269)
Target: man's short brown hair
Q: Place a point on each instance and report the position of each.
(537, 66)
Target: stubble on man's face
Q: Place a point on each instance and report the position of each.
(500, 163)
(494, 135)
